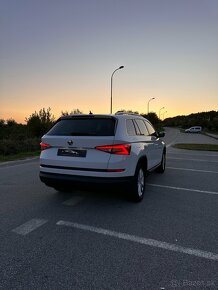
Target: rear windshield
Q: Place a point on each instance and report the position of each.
(84, 127)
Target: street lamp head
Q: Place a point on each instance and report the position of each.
(149, 102)
(111, 83)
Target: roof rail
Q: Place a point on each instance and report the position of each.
(126, 113)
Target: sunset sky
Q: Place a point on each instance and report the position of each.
(61, 54)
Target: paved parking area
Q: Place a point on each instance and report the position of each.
(175, 136)
(99, 240)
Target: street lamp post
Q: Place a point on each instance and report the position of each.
(112, 84)
(149, 102)
(164, 114)
(160, 110)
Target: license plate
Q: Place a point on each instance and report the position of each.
(72, 152)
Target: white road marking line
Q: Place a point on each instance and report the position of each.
(197, 170)
(173, 142)
(29, 226)
(73, 201)
(177, 158)
(182, 188)
(140, 240)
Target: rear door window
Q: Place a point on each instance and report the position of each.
(84, 127)
(150, 128)
(131, 131)
(142, 128)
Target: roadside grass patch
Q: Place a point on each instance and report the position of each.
(203, 147)
(19, 156)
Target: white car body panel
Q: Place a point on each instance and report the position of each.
(195, 129)
(96, 163)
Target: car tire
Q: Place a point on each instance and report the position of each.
(161, 168)
(138, 184)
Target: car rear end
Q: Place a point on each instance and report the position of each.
(83, 148)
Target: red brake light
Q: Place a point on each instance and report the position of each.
(119, 149)
(44, 146)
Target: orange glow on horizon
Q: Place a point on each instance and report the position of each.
(20, 117)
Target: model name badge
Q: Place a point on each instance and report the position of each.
(71, 152)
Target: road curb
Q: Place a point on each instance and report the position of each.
(211, 135)
(16, 162)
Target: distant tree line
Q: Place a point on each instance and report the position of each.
(16, 138)
(208, 121)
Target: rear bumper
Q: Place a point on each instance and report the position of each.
(55, 179)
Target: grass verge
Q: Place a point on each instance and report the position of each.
(19, 156)
(203, 147)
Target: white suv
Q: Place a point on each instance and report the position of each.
(103, 149)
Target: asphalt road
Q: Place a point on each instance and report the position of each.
(100, 240)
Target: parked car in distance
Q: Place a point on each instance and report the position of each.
(195, 129)
(108, 149)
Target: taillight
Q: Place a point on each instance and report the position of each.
(119, 149)
(44, 146)
(115, 170)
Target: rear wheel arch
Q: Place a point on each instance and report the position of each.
(138, 181)
(143, 162)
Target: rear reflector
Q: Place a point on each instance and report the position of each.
(44, 146)
(119, 149)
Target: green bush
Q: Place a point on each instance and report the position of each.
(14, 146)
(39, 123)
(19, 138)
